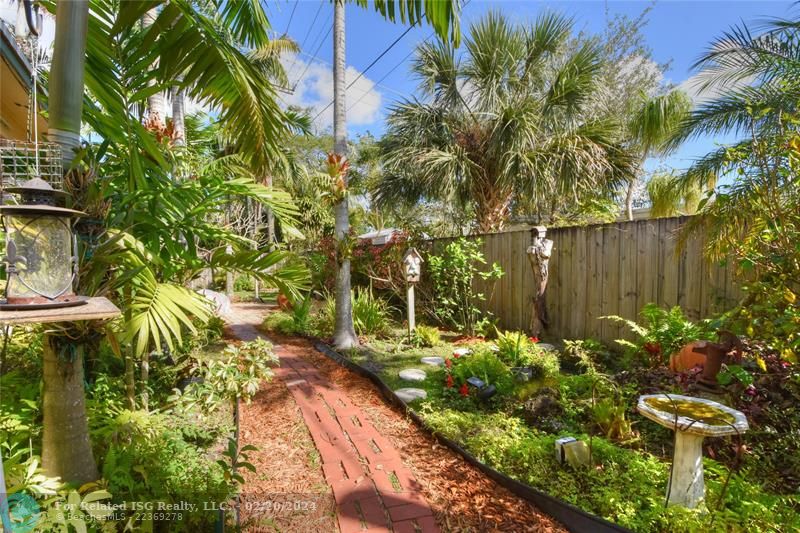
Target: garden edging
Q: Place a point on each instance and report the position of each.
(572, 517)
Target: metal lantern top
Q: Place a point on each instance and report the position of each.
(41, 252)
(412, 265)
(37, 197)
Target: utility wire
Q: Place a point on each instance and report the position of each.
(290, 18)
(361, 74)
(390, 70)
(328, 63)
(308, 65)
(303, 42)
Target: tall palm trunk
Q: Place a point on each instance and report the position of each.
(179, 115)
(344, 335)
(156, 105)
(66, 450)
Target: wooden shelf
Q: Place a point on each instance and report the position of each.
(94, 309)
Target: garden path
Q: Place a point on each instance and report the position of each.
(372, 487)
(385, 474)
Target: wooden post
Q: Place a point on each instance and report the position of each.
(539, 257)
(411, 319)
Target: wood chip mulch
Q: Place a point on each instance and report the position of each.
(288, 491)
(462, 497)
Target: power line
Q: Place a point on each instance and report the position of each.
(303, 42)
(308, 65)
(291, 17)
(387, 74)
(349, 85)
(378, 83)
(328, 63)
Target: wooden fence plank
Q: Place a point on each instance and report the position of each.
(605, 269)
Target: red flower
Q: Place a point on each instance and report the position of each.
(449, 382)
(534, 339)
(653, 348)
(448, 363)
(456, 355)
(464, 390)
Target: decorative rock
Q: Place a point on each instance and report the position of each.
(461, 352)
(222, 304)
(433, 361)
(413, 374)
(546, 347)
(410, 394)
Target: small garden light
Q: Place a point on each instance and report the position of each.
(41, 251)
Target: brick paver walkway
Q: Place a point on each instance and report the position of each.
(373, 489)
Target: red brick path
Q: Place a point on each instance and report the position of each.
(373, 489)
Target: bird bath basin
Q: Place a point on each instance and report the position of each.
(693, 419)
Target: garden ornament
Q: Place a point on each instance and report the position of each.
(412, 269)
(708, 355)
(692, 419)
(41, 250)
(539, 253)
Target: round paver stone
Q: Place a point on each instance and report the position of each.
(411, 394)
(433, 361)
(547, 347)
(413, 374)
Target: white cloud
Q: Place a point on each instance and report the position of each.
(313, 88)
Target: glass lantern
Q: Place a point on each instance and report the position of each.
(41, 251)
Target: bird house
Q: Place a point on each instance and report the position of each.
(412, 265)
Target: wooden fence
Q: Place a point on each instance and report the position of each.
(608, 269)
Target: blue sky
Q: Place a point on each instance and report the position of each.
(678, 31)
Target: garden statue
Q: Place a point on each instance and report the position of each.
(693, 419)
(539, 257)
(709, 356)
(412, 269)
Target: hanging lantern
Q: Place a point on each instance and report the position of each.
(41, 251)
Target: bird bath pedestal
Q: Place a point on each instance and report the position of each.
(693, 419)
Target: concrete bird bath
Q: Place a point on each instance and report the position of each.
(697, 418)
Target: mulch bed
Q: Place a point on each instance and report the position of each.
(462, 497)
(288, 491)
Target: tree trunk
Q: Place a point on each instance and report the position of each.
(178, 116)
(66, 77)
(344, 335)
(156, 105)
(629, 199)
(66, 449)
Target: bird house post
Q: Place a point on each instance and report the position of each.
(412, 268)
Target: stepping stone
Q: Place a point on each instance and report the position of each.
(411, 394)
(433, 361)
(461, 352)
(413, 374)
(547, 347)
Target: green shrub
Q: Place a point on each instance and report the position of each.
(516, 349)
(486, 366)
(661, 333)
(512, 346)
(426, 336)
(370, 313)
(279, 322)
(243, 283)
(545, 363)
(453, 275)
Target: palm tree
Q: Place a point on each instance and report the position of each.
(650, 130)
(505, 126)
(755, 83)
(442, 15)
(66, 449)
